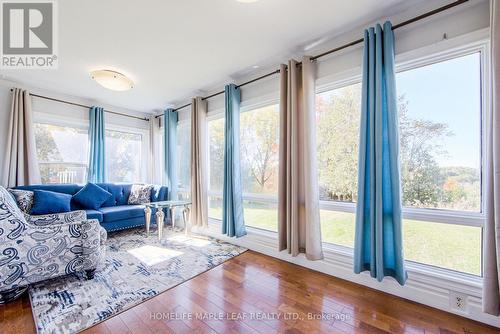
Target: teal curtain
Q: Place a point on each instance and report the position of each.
(170, 120)
(233, 223)
(378, 239)
(97, 138)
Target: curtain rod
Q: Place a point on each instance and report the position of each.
(88, 107)
(345, 46)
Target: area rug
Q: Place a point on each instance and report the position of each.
(136, 268)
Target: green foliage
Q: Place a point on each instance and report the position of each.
(424, 182)
(216, 151)
(338, 120)
(259, 149)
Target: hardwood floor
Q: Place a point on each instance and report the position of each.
(243, 294)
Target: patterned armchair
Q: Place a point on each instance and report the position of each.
(36, 248)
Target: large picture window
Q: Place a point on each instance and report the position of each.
(259, 138)
(440, 155)
(259, 142)
(215, 167)
(123, 156)
(58, 159)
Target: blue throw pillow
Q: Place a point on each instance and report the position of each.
(47, 202)
(91, 196)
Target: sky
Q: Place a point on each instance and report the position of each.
(448, 92)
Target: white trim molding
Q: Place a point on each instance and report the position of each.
(426, 285)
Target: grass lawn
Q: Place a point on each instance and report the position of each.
(443, 245)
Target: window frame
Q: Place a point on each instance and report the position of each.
(51, 119)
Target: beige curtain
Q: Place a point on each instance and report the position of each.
(298, 194)
(199, 210)
(155, 153)
(20, 164)
(491, 243)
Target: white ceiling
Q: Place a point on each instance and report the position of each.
(173, 49)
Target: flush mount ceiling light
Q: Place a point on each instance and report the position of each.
(247, 1)
(112, 80)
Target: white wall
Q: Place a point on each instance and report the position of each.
(459, 21)
(60, 111)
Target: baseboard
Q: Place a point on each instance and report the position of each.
(428, 288)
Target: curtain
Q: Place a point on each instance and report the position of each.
(491, 241)
(298, 192)
(20, 164)
(199, 210)
(97, 137)
(155, 170)
(233, 223)
(378, 243)
(170, 119)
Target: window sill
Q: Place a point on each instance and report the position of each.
(342, 255)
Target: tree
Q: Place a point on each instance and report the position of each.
(338, 117)
(259, 143)
(420, 142)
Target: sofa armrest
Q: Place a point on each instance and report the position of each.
(57, 218)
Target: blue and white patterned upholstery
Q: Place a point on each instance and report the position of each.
(36, 248)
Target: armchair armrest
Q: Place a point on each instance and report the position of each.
(33, 253)
(57, 218)
(82, 238)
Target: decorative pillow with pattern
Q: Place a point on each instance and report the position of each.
(140, 194)
(24, 199)
(10, 211)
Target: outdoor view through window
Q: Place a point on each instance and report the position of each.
(440, 150)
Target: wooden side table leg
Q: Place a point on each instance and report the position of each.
(160, 216)
(147, 217)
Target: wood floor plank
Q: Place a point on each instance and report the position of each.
(254, 293)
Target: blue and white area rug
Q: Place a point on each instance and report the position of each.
(136, 268)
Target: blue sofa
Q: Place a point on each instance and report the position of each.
(115, 214)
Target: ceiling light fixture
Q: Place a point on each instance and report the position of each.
(112, 80)
(247, 1)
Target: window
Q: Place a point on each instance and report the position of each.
(62, 153)
(441, 134)
(259, 138)
(124, 156)
(337, 139)
(259, 142)
(440, 151)
(184, 159)
(216, 167)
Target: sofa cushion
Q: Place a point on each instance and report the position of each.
(91, 196)
(94, 214)
(114, 213)
(46, 202)
(119, 192)
(65, 188)
(140, 194)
